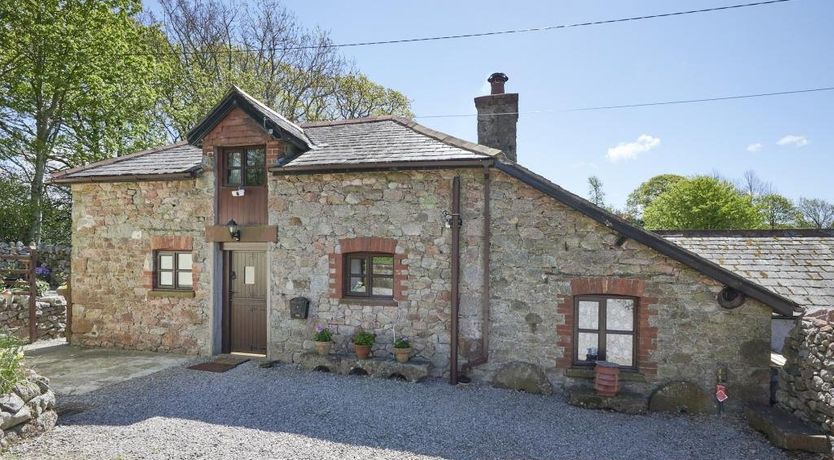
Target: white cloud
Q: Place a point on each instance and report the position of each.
(630, 150)
(753, 148)
(790, 139)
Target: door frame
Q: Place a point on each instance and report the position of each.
(226, 250)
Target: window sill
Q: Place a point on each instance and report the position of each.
(163, 293)
(368, 301)
(626, 375)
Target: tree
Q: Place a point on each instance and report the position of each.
(595, 192)
(702, 203)
(777, 211)
(77, 87)
(753, 186)
(263, 49)
(639, 199)
(816, 212)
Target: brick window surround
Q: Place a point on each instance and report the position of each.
(170, 243)
(367, 244)
(646, 334)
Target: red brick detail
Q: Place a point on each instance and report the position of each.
(172, 243)
(646, 334)
(237, 129)
(367, 244)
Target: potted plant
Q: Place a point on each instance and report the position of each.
(323, 340)
(402, 349)
(362, 343)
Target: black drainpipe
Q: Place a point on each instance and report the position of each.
(455, 224)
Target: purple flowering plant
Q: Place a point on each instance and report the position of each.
(402, 342)
(322, 334)
(42, 271)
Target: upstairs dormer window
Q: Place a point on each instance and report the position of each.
(244, 167)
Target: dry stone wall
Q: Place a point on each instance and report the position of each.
(51, 316)
(55, 256)
(806, 381)
(28, 410)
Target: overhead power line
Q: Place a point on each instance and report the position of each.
(244, 49)
(560, 26)
(643, 104)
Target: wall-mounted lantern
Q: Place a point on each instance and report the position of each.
(234, 230)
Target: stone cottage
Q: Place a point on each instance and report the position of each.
(204, 246)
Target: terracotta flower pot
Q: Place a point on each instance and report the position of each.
(402, 354)
(607, 379)
(323, 348)
(362, 351)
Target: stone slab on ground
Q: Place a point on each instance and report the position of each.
(625, 402)
(786, 431)
(414, 370)
(73, 370)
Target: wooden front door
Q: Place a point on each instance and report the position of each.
(246, 296)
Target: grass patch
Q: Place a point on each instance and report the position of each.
(11, 356)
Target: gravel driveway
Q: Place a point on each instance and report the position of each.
(283, 412)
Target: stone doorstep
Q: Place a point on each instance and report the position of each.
(625, 401)
(414, 370)
(787, 431)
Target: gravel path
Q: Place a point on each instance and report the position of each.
(283, 412)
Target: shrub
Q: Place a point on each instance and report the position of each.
(11, 355)
(42, 286)
(402, 342)
(364, 338)
(322, 334)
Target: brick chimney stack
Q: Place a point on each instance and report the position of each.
(498, 117)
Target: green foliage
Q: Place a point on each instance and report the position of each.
(323, 334)
(42, 286)
(639, 199)
(213, 45)
(816, 213)
(364, 338)
(702, 203)
(777, 211)
(79, 87)
(402, 342)
(595, 192)
(11, 356)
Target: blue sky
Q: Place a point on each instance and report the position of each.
(761, 49)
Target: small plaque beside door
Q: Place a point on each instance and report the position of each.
(249, 275)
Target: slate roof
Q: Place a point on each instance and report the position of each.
(380, 141)
(174, 160)
(794, 263)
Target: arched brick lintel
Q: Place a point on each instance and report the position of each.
(646, 333)
(367, 244)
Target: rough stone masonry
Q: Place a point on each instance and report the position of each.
(28, 410)
(806, 381)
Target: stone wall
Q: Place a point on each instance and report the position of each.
(51, 316)
(806, 381)
(544, 253)
(116, 229)
(56, 257)
(28, 410)
(320, 217)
